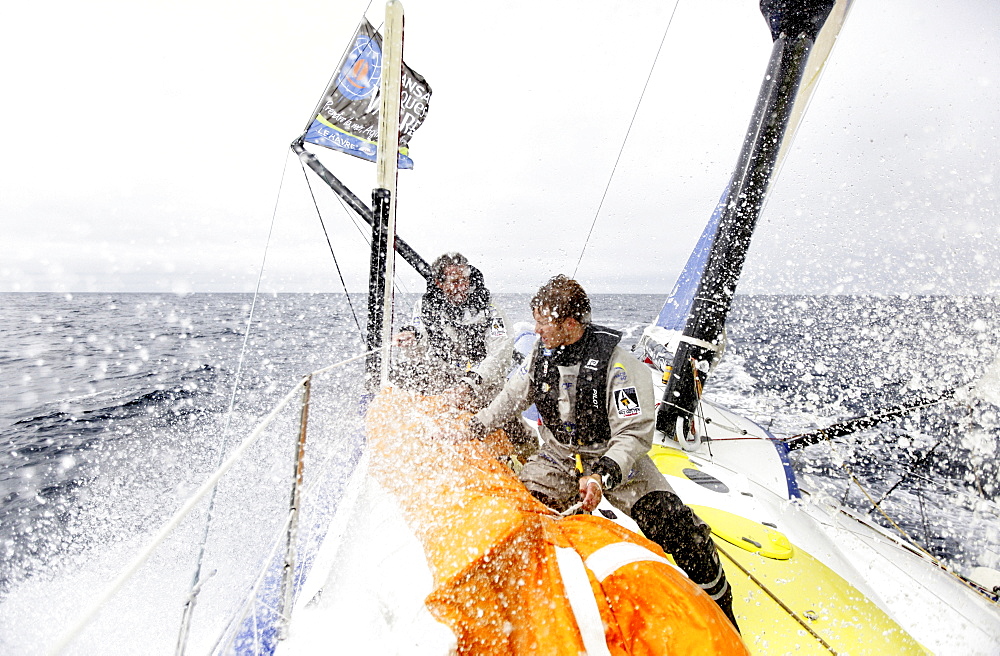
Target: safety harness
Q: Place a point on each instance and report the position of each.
(593, 353)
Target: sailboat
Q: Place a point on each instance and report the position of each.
(807, 578)
(452, 556)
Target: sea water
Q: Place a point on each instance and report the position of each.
(115, 408)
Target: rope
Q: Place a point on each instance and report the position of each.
(919, 550)
(913, 543)
(911, 471)
(208, 486)
(184, 510)
(189, 606)
(876, 505)
(251, 597)
(625, 140)
(699, 409)
(778, 601)
(342, 363)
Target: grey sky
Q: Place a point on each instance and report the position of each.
(143, 145)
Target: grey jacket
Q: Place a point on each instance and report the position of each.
(632, 423)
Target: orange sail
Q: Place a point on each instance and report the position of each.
(510, 576)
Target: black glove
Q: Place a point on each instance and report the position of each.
(609, 471)
(477, 429)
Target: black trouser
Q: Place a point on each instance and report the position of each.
(664, 519)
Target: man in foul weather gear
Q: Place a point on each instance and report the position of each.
(597, 419)
(457, 338)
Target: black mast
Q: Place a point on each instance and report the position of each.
(794, 26)
(376, 286)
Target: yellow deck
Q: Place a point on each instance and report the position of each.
(786, 601)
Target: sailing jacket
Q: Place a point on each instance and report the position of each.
(627, 403)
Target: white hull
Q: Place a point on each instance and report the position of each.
(371, 575)
(367, 588)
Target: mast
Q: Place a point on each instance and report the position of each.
(795, 26)
(347, 116)
(382, 264)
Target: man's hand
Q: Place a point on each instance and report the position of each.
(590, 492)
(404, 339)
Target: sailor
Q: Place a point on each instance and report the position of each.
(456, 340)
(596, 405)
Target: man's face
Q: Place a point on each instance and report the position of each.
(554, 332)
(455, 284)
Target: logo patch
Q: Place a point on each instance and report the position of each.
(497, 329)
(591, 364)
(627, 402)
(619, 375)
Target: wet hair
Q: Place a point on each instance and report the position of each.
(562, 298)
(445, 261)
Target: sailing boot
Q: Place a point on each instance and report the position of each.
(664, 519)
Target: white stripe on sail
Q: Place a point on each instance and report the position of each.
(581, 600)
(608, 559)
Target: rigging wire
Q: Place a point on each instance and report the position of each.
(763, 586)
(877, 505)
(322, 224)
(397, 284)
(911, 470)
(196, 581)
(912, 542)
(187, 508)
(309, 489)
(621, 150)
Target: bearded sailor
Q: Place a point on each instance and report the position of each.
(457, 339)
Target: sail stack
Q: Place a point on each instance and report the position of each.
(510, 575)
(792, 72)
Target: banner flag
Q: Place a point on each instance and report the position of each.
(347, 118)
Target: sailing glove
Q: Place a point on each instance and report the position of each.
(472, 379)
(609, 471)
(477, 429)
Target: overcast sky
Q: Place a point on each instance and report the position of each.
(143, 145)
